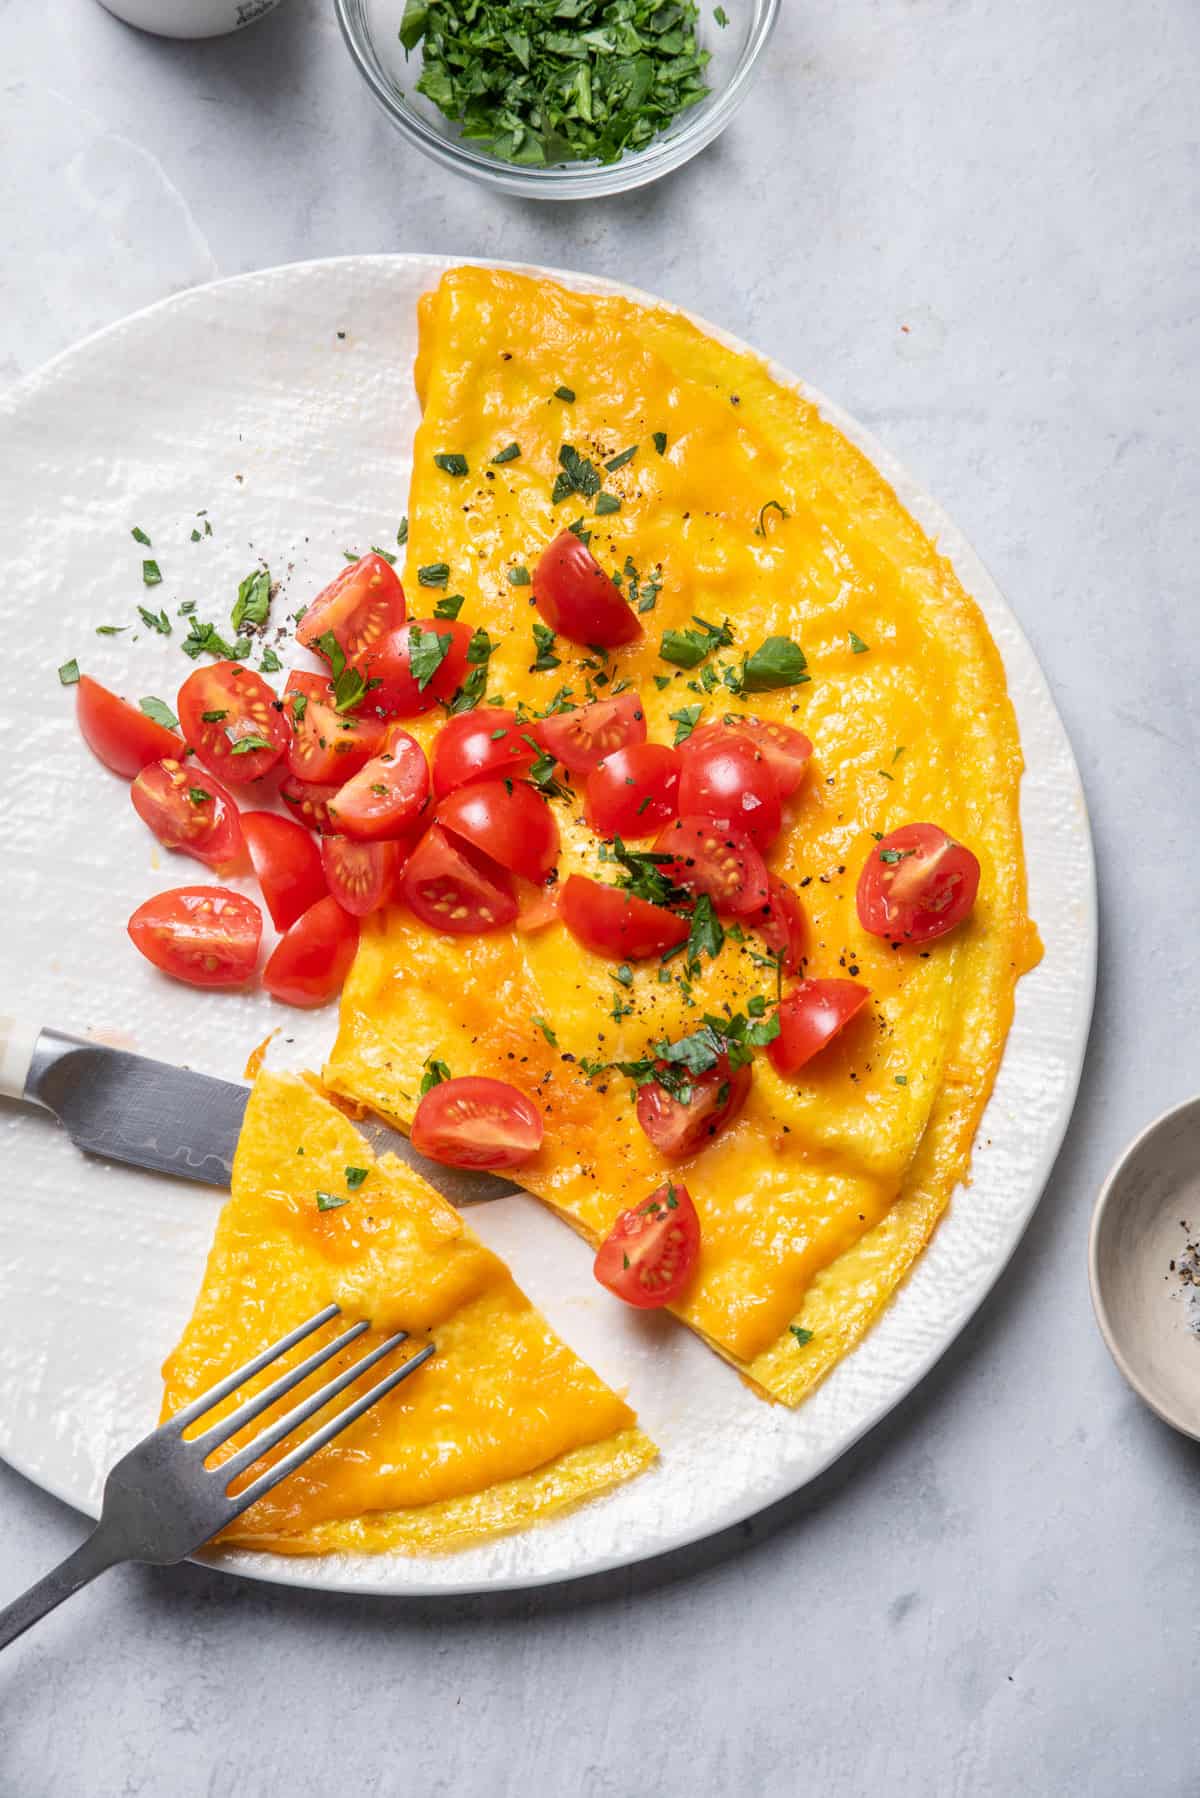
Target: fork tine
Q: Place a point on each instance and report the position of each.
(240, 1375)
(298, 1455)
(262, 1401)
(316, 1401)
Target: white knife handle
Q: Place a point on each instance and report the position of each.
(17, 1042)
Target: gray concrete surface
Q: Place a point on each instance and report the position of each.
(974, 222)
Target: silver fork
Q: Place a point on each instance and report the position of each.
(161, 1503)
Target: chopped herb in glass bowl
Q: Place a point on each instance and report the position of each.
(558, 98)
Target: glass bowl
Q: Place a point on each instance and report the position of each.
(371, 29)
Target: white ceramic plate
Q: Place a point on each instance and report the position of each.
(282, 404)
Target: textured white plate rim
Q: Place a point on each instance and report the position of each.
(1029, 693)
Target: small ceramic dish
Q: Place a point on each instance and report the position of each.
(1144, 1265)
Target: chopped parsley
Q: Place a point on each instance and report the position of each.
(155, 621)
(139, 536)
(450, 462)
(776, 663)
(199, 795)
(387, 555)
(509, 453)
(892, 856)
(329, 1201)
(110, 630)
(449, 605)
(800, 1333)
(620, 461)
(707, 933)
(160, 712)
(578, 476)
(434, 574)
(253, 601)
(206, 639)
(685, 719)
(901, 1079)
(245, 745)
(270, 663)
(721, 16)
(565, 393)
(605, 503)
(349, 686)
(543, 639)
(355, 1176)
(68, 672)
(546, 1031)
(858, 647)
(578, 81)
(519, 576)
(151, 573)
(426, 653)
(760, 529)
(688, 648)
(435, 1072)
(660, 442)
(402, 533)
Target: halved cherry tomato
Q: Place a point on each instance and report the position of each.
(576, 597)
(648, 1256)
(508, 820)
(287, 865)
(310, 963)
(581, 739)
(680, 1123)
(726, 777)
(717, 859)
(388, 796)
(634, 791)
(361, 876)
(187, 809)
(308, 801)
(616, 924)
(360, 606)
(399, 693)
(122, 737)
(479, 745)
(206, 936)
(450, 886)
(782, 924)
(225, 706)
(327, 746)
(811, 1016)
(917, 884)
(476, 1122)
(787, 752)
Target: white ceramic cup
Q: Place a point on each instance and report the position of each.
(190, 18)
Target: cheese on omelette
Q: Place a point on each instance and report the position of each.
(742, 504)
(502, 1426)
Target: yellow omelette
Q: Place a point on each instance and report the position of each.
(503, 1426)
(739, 504)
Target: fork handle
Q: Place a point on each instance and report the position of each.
(89, 1559)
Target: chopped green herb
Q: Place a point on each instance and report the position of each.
(435, 1072)
(578, 474)
(199, 795)
(685, 719)
(155, 621)
(620, 461)
(518, 576)
(151, 573)
(776, 663)
(721, 16)
(426, 653)
(245, 745)
(546, 1031)
(662, 682)
(139, 536)
(800, 1333)
(110, 630)
(68, 672)
(328, 1201)
(402, 533)
(509, 453)
(760, 529)
(605, 503)
(451, 463)
(205, 638)
(901, 1079)
(387, 555)
(857, 645)
(355, 1176)
(253, 601)
(543, 639)
(892, 856)
(565, 393)
(187, 608)
(449, 605)
(161, 713)
(218, 717)
(688, 648)
(434, 574)
(660, 442)
(270, 663)
(706, 932)
(195, 535)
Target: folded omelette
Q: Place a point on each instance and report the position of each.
(739, 503)
(503, 1426)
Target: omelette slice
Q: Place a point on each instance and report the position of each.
(502, 1427)
(716, 493)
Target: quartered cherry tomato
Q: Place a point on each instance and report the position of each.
(479, 745)
(439, 646)
(287, 865)
(787, 752)
(362, 877)
(206, 936)
(450, 886)
(387, 797)
(359, 607)
(726, 777)
(537, 906)
(576, 597)
(917, 884)
(649, 1255)
(188, 810)
(811, 1016)
(308, 802)
(581, 739)
(679, 1123)
(327, 746)
(634, 791)
(476, 1122)
(616, 924)
(233, 721)
(782, 924)
(309, 964)
(717, 859)
(507, 820)
(123, 738)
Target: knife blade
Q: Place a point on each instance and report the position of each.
(151, 1114)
